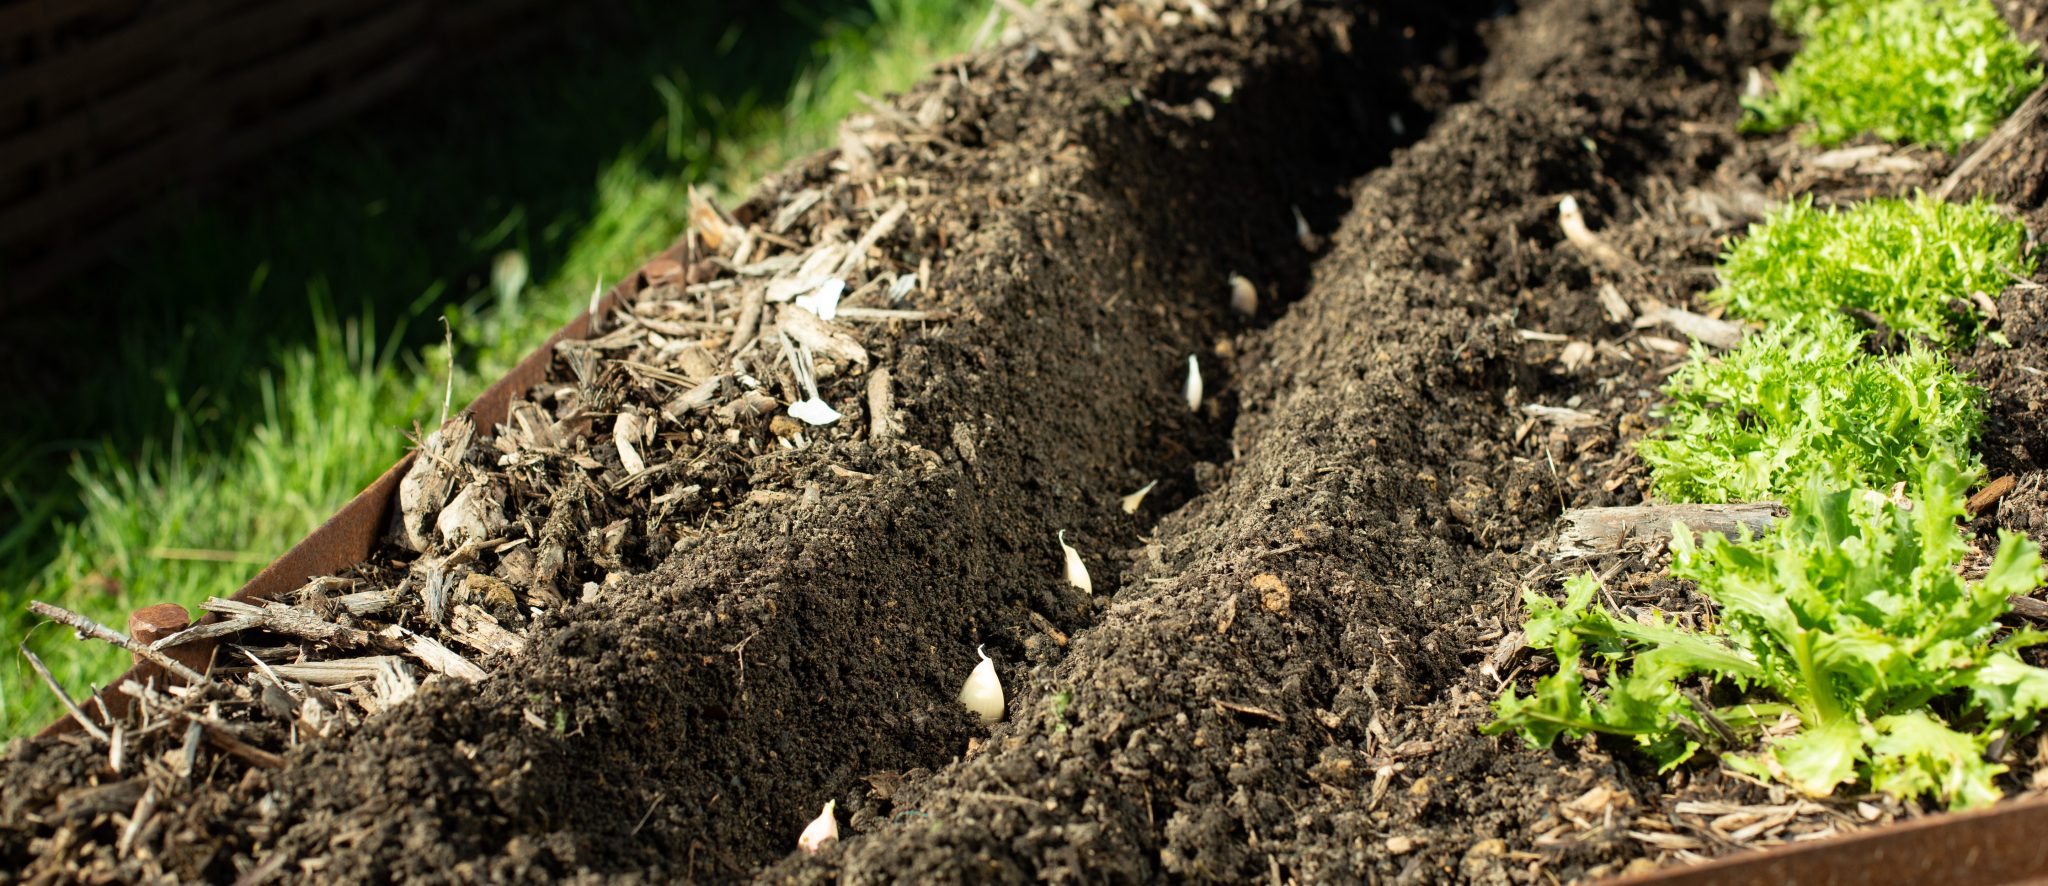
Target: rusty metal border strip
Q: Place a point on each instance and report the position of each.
(2007, 843)
(350, 536)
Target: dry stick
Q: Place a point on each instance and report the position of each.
(2022, 119)
(88, 628)
(144, 808)
(63, 697)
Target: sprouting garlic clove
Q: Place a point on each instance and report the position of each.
(822, 830)
(1244, 297)
(1194, 390)
(1137, 499)
(1077, 571)
(983, 693)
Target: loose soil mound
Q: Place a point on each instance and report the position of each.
(1291, 643)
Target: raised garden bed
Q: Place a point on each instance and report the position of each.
(702, 619)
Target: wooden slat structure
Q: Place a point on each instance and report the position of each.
(106, 103)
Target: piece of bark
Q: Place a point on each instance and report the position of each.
(1595, 531)
(1990, 494)
(881, 418)
(2028, 607)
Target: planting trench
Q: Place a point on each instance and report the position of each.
(1291, 643)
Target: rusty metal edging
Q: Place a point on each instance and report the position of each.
(2007, 843)
(350, 536)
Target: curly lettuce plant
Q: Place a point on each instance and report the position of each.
(1913, 263)
(1846, 650)
(1930, 72)
(1790, 401)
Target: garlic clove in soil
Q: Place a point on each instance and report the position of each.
(814, 411)
(824, 300)
(1077, 571)
(822, 830)
(1194, 391)
(1244, 297)
(983, 693)
(1137, 499)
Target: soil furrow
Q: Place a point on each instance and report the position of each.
(1284, 689)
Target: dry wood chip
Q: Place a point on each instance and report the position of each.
(478, 511)
(1561, 416)
(1704, 329)
(336, 672)
(699, 397)
(1250, 710)
(1991, 493)
(1597, 531)
(427, 483)
(476, 629)
(881, 414)
(435, 656)
(1658, 343)
(1671, 842)
(823, 338)
(799, 203)
(1576, 354)
(625, 436)
(1611, 301)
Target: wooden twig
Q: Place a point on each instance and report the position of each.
(63, 697)
(144, 808)
(1990, 494)
(88, 628)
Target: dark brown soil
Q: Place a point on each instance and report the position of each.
(1282, 672)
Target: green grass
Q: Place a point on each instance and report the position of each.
(1911, 262)
(1795, 401)
(272, 352)
(1930, 72)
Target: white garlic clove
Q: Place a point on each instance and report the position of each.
(1244, 297)
(814, 411)
(983, 693)
(824, 300)
(822, 830)
(1077, 571)
(1194, 391)
(1137, 499)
